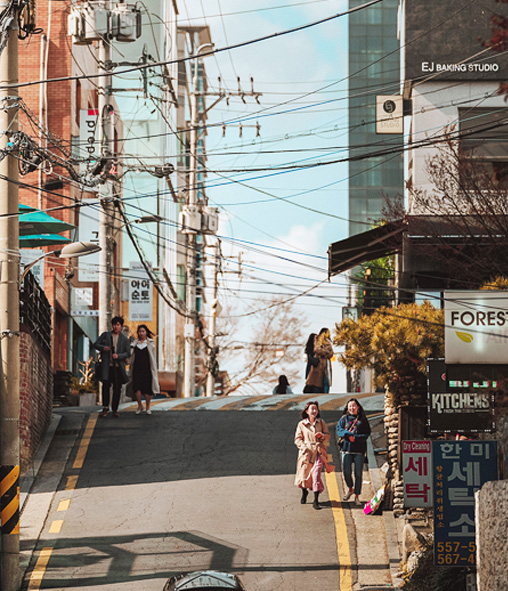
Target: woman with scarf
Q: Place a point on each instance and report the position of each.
(353, 427)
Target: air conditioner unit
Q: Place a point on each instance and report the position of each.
(190, 220)
(76, 26)
(126, 23)
(96, 22)
(210, 220)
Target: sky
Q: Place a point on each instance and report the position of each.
(281, 221)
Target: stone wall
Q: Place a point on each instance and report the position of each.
(36, 395)
(492, 536)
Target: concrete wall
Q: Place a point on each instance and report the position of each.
(36, 396)
(492, 536)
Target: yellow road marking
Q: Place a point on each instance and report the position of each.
(56, 526)
(343, 550)
(63, 505)
(39, 569)
(85, 442)
(71, 482)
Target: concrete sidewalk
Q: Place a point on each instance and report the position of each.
(376, 555)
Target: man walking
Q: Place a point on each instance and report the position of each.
(114, 349)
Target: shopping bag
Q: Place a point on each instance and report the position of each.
(375, 503)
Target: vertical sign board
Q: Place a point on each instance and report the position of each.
(89, 232)
(88, 144)
(460, 469)
(389, 114)
(417, 473)
(140, 293)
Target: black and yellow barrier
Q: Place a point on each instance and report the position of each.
(9, 499)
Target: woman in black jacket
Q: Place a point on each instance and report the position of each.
(354, 428)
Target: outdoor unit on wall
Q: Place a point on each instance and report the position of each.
(97, 24)
(93, 22)
(190, 220)
(76, 26)
(126, 23)
(210, 220)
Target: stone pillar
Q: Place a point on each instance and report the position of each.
(491, 516)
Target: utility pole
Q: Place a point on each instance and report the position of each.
(9, 322)
(105, 136)
(212, 359)
(197, 217)
(189, 378)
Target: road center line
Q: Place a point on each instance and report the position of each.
(39, 569)
(343, 551)
(85, 442)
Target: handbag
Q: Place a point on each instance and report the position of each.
(340, 441)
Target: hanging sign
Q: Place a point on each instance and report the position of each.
(140, 293)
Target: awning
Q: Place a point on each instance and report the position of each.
(37, 240)
(39, 222)
(367, 246)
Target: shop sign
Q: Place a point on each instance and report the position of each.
(460, 469)
(417, 473)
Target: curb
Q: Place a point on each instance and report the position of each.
(392, 542)
(27, 479)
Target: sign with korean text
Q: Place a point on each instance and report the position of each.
(476, 327)
(140, 294)
(460, 469)
(461, 397)
(417, 473)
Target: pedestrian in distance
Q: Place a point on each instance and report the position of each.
(319, 352)
(311, 438)
(354, 429)
(283, 386)
(323, 350)
(143, 369)
(114, 350)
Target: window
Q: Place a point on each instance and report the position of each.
(484, 137)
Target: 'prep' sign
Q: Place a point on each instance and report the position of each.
(476, 327)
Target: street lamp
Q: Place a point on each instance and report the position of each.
(74, 249)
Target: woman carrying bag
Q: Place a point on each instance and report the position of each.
(354, 429)
(311, 438)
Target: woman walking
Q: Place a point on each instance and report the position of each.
(310, 438)
(144, 368)
(324, 351)
(354, 428)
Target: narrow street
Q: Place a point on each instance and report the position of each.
(144, 497)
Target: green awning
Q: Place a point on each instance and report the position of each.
(36, 240)
(39, 222)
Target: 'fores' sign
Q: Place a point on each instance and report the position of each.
(476, 327)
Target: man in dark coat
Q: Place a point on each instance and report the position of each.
(114, 349)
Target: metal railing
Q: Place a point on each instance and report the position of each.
(35, 311)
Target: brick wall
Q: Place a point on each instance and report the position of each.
(36, 395)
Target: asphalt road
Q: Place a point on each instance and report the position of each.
(145, 497)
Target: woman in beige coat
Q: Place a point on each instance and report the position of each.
(311, 438)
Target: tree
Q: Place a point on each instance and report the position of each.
(395, 343)
(275, 344)
(464, 216)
